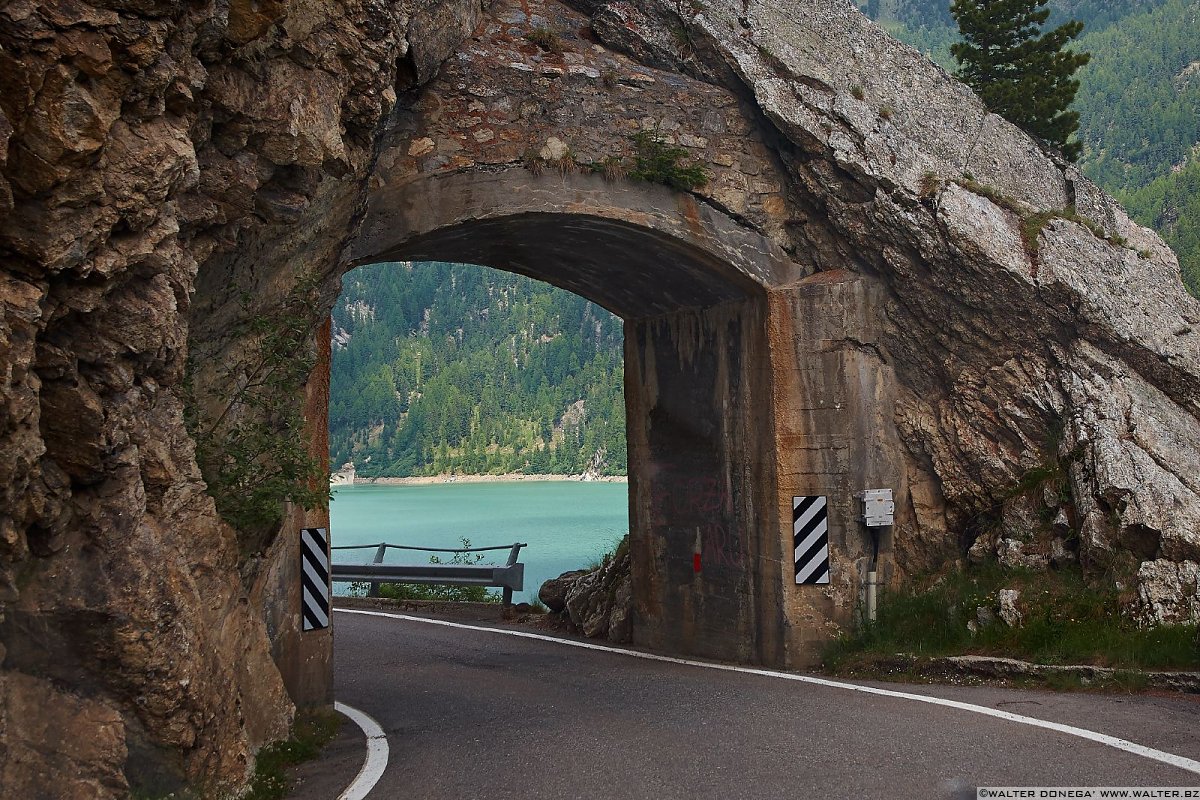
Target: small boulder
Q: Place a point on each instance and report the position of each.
(1059, 554)
(1008, 607)
(984, 616)
(554, 591)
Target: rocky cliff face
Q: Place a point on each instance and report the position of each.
(144, 144)
(1038, 337)
(160, 162)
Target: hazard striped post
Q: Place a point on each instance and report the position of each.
(314, 578)
(810, 538)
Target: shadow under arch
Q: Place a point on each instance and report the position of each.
(691, 285)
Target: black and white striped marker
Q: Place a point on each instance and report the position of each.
(314, 578)
(810, 537)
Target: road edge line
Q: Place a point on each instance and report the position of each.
(1171, 759)
(377, 754)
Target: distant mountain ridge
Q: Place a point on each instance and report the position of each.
(455, 369)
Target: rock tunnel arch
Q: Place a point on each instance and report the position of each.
(691, 288)
(219, 150)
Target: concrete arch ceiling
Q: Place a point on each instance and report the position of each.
(858, 272)
(639, 250)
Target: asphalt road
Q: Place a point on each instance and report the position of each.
(475, 714)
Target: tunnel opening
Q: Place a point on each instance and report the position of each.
(708, 511)
(689, 285)
(474, 408)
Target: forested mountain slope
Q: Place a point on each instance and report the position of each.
(449, 368)
(1139, 101)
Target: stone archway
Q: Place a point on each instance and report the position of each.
(691, 286)
(864, 252)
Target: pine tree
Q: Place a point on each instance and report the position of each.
(1022, 74)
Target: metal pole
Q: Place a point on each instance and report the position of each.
(380, 552)
(872, 582)
(512, 559)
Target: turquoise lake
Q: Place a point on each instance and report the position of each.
(566, 524)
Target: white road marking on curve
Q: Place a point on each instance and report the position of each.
(1182, 762)
(377, 754)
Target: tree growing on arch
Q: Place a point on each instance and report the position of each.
(1022, 74)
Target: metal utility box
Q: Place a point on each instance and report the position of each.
(878, 509)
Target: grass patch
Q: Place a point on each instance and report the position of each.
(617, 549)
(1034, 222)
(929, 186)
(612, 168)
(546, 39)
(1032, 226)
(993, 194)
(443, 594)
(310, 733)
(658, 162)
(1066, 621)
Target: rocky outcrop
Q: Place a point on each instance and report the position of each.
(168, 171)
(1010, 324)
(144, 147)
(598, 602)
(553, 593)
(1168, 591)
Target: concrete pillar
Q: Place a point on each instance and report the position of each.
(706, 556)
(835, 435)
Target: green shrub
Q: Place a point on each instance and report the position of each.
(546, 39)
(252, 450)
(1066, 621)
(658, 162)
(458, 594)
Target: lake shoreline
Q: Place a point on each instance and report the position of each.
(566, 524)
(511, 477)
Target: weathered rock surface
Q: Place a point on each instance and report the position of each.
(158, 160)
(137, 142)
(45, 729)
(598, 602)
(1006, 603)
(1168, 591)
(553, 593)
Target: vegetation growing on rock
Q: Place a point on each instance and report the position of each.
(1063, 620)
(250, 444)
(1021, 73)
(657, 161)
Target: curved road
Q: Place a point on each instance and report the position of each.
(473, 713)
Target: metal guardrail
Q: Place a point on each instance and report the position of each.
(509, 577)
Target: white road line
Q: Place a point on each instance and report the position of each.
(1173, 760)
(377, 754)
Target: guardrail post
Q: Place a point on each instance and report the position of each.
(512, 559)
(379, 554)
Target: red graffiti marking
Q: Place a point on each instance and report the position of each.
(702, 505)
(721, 546)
